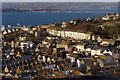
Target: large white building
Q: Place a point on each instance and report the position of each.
(70, 34)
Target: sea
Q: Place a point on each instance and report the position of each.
(44, 18)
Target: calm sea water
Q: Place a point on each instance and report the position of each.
(38, 18)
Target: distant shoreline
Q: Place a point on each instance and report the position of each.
(76, 12)
(61, 12)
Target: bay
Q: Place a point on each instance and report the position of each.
(42, 18)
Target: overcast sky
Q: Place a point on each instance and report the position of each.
(60, 0)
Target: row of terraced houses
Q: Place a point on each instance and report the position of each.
(80, 35)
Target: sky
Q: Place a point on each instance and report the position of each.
(60, 0)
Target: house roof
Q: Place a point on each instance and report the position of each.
(74, 56)
(27, 27)
(88, 60)
(102, 57)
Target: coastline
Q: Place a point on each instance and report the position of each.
(61, 12)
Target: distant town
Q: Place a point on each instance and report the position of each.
(12, 7)
(89, 47)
